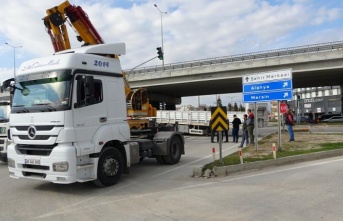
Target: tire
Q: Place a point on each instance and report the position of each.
(110, 167)
(174, 151)
(160, 159)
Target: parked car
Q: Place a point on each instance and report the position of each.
(333, 119)
(326, 116)
(302, 119)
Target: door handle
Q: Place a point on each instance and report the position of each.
(103, 119)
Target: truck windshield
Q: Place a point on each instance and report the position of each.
(42, 92)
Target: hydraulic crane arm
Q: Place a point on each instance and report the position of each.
(56, 28)
(137, 100)
(54, 23)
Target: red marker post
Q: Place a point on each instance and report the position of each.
(241, 156)
(214, 153)
(274, 150)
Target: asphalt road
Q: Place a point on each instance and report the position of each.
(304, 191)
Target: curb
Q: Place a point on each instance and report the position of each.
(227, 170)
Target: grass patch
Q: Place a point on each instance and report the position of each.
(288, 149)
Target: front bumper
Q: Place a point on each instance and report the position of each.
(20, 168)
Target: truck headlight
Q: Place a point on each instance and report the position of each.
(3, 130)
(11, 162)
(60, 167)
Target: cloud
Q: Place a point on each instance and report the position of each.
(191, 31)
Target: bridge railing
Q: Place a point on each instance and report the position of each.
(307, 49)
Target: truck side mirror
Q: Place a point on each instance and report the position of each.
(7, 84)
(85, 91)
(79, 91)
(89, 88)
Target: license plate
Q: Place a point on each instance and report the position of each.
(32, 161)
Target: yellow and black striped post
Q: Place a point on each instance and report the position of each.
(219, 123)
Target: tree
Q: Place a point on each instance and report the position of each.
(235, 107)
(241, 108)
(219, 102)
(229, 107)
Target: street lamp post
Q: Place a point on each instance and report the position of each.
(161, 33)
(14, 47)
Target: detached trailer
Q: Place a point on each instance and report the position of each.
(198, 122)
(191, 122)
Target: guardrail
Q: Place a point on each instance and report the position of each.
(307, 49)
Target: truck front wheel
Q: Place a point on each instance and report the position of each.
(175, 150)
(110, 167)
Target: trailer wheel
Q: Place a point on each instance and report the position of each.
(110, 167)
(160, 159)
(175, 149)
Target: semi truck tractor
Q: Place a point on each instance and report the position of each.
(69, 120)
(5, 109)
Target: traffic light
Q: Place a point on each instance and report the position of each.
(160, 53)
(298, 97)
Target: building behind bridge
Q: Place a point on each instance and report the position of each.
(318, 100)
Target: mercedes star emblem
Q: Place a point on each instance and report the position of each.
(32, 132)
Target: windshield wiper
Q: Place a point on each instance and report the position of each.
(45, 104)
(3, 119)
(22, 106)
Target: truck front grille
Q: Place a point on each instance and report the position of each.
(52, 130)
(38, 137)
(41, 150)
(39, 128)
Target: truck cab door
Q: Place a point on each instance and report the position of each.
(90, 110)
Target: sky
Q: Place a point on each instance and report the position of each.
(192, 30)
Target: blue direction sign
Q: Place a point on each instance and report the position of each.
(267, 86)
(268, 96)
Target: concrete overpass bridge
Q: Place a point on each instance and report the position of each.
(313, 66)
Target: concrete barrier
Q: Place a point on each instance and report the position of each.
(227, 170)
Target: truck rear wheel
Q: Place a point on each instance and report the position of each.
(110, 167)
(175, 150)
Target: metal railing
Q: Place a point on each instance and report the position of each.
(307, 49)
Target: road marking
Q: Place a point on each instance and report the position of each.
(72, 208)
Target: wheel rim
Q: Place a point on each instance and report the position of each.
(110, 167)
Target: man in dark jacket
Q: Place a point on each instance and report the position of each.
(235, 127)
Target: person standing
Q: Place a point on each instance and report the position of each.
(289, 122)
(245, 136)
(310, 117)
(250, 126)
(235, 127)
(226, 132)
(212, 133)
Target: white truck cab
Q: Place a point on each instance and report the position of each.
(5, 110)
(68, 121)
